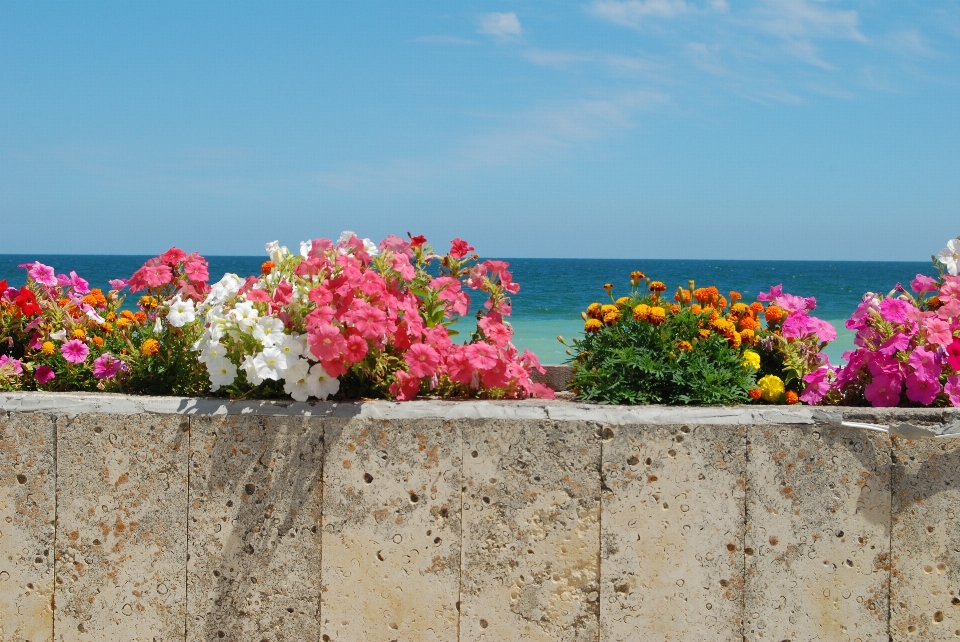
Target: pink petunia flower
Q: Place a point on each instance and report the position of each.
(118, 284)
(326, 343)
(42, 274)
(44, 375)
(939, 332)
(405, 387)
(422, 360)
(884, 391)
(924, 363)
(79, 284)
(459, 248)
(196, 268)
(173, 256)
(106, 366)
(495, 331)
(923, 284)
(952, 388)
(922, 391)
(357, 349)
(817, 386)
(481, 356)
(496, 376)
(75, 351)
(10, 367)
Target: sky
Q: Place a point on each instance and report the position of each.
(733, 129)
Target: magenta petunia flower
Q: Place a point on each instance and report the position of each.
(923, 284)
(10, 367)
(44, 374)
(884, 390)
(42, 274)
(75, 351)
(106, 366)
(922, 391)
(953, 390)
(79, 284)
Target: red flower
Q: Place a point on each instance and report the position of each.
(27, 302)
(3, 286)
(459, 248)
(417, 241)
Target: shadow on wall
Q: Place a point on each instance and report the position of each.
(254, 527)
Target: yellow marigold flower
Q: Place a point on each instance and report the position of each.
(608, 287)
(98, 341)
(622, 301)
(641, 312)
(791, 397)
(150, 347)
(592, 325)
(751, 360)
(148, 302)
(123, 323)
(611, 317)
(107, 328)
(593, 311)
(748, 336)
(774, 314)
(79, 333)
(636, 276)
(723, 326)
(685, 346)
(771, 388)
(111, 317)
(704, 334)
(48, 348)
(607, 309)
(735, 340)
(657, 315)
(657, 286)
(738, 308)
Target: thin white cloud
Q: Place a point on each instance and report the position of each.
(500, 25)
(619, 62)
(910, 43)
(706, 57)
(632, 12)
(444, 40)
(803, 19)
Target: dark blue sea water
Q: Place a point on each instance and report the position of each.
(554, 291)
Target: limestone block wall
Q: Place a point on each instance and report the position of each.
(163, 519)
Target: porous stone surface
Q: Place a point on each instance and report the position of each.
(817, 542)
(391, 530)
(254, 528)
(673, 527)
(925, 543)
(531, 531)
(27, 511)
(121, 532)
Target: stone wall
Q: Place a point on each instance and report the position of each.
(165, 519)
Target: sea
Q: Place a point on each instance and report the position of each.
(553, 292)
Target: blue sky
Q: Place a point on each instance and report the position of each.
(794, 129)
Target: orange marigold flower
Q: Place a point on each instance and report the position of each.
(95, 298)
(592, 325)
(148, 302)
(722, 302)
(696, 309)
(641, 312)
(593, 311)
(63, 303)
(682, 296)
(140, 317)
(98, 341)
(755, 393)
(128, 315)
(774, 314)
(657, 286)
(48, 348)
(267, 267)
(706, 295)
(685, 346)
(757, 307)
(611, 317)
(622, 301)
(150, 347)
(792, 397)
(704, 334)
(607, 309)
(674, 308)
(657, 315)
(735, 296)
(749, 323)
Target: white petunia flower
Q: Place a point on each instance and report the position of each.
(270, 363)
(181, 312)
(305, 247)
(268, 331)
(212, 352)
(225, 288)
(321, 384)
(222, 373)
(950, 256)
(59, 335)
(292, 346)
(250, 369)
(368, 246)
(296, 380)
(245, 315)
(157, 326)
(276, 251)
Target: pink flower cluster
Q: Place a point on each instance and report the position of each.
(359, 309)
(907, 353)
(188, 273)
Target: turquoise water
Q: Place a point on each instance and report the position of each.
(554, 291)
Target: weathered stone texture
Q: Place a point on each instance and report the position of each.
(121, 532)
(27, 511)
(531, 531)
(925, 590)
(673, 527)
(254, 528)
(817, 544)
(391, 530)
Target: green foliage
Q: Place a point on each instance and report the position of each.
(637, 362)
